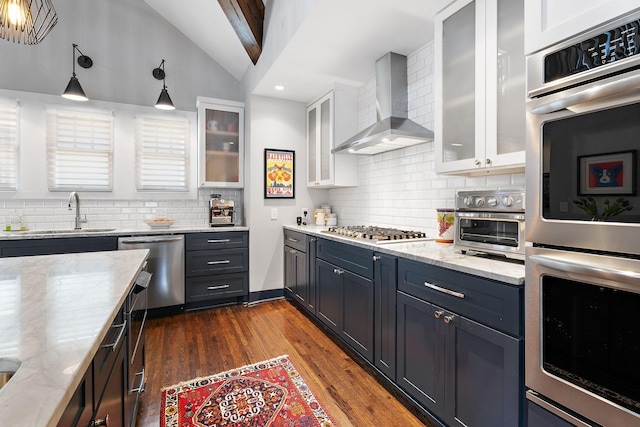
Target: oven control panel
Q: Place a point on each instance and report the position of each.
(511, 200)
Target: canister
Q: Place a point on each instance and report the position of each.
(446, 221)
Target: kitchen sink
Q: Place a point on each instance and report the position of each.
(81, 231)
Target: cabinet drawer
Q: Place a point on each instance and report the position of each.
(107, 353)
(219, 286)
(296, 240)
(486, 301)
(200, 263)
(351, 258)
(220, 240)
(28, 247)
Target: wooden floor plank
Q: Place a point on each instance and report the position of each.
(205, 342)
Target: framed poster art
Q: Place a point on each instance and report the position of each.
(607, 174)
(279, 174)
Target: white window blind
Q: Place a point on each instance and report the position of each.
(8, 144)
(80, 150)
(162, 154)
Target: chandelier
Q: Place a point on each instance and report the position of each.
(26, 21)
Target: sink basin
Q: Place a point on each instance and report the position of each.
(81, 231)
(8, 368)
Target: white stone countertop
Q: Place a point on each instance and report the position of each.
(89, 232)
(55, 311)
(432, 252)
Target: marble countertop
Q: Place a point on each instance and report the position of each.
(43, 234)
(55, 311)
(431, 252)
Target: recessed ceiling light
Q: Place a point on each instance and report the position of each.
(279, 87)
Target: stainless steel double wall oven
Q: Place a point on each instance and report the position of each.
(582, 288)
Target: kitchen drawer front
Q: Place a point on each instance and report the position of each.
(486, 301)
(220, 240)
(200, 263)
(206, 288)
(351, 258)
(58, 245)
(295, 240)
(107, 354)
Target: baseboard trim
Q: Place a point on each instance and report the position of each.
(263, 296)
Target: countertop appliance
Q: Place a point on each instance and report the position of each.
(377, 234)
(221, 211)
(582, 268)
(166, 290)
(491, 222)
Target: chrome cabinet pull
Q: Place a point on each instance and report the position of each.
(448, 319)
(218, 240)
(100, 422)
(444, 290)
(488, 161)
(376, 258)
(338, 271)
(113, 345)
(293, 251)
(313, 239)
(477, 162)
(291, 239)
(438, 313)
(226, 261)
(213, 288)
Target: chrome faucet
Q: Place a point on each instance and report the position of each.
(74, 197)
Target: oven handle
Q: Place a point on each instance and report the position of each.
(585, 269)
(604, 90)
(533, 396)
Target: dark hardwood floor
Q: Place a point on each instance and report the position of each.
(206, 342)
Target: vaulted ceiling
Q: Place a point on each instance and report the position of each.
(339, 41)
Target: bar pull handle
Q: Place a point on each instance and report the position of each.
(338, 271)
(218, 240)
(376, 257)
(225, 261)
(213, 288)
(574, 266)
(113, 345)
(444, 290)
(291, 239)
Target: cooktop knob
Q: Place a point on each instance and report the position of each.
(492, 201)
(468, 201)
(479, 201)
(507, 201)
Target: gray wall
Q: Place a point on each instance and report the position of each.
(126, 40)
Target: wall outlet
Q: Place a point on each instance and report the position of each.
(305, 212)
(274, 214)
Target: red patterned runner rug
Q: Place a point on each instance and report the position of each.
(269, 393)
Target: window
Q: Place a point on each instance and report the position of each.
(162, 154)
(8, 144)
(80, 150)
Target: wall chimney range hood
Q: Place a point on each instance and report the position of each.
(393, 130)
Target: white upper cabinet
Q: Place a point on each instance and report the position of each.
(331, 119)
(551, 21)
(480, 87)
(220, 143)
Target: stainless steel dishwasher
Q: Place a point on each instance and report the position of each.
(166, 264)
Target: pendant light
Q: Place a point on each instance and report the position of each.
(74, 90)
(164, 101)
(26, 21)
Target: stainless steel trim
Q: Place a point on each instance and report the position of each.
(218, 240)
(611, 88)
(444, 290)
(533, 396)
(113, 345)
(226, 261)
(152, 240)
(213, 288)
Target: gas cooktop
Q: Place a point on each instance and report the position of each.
(377, 234)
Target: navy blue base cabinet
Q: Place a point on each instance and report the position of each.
(385, 283)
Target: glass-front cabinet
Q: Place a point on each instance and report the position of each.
(480, 86)
(220, 143)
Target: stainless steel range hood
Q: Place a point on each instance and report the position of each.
(393, 130)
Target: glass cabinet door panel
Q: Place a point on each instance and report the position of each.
(458, 85)
(325, 140)
(312, 135)
(220, 129)
(511, 91)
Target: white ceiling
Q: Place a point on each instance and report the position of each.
(338, 42)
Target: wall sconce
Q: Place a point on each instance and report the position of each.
(164, 101)
(74, 90)
(26, 20)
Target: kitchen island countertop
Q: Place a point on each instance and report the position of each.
(57, 309)
(432, 252)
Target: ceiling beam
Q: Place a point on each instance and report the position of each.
(247, 19)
